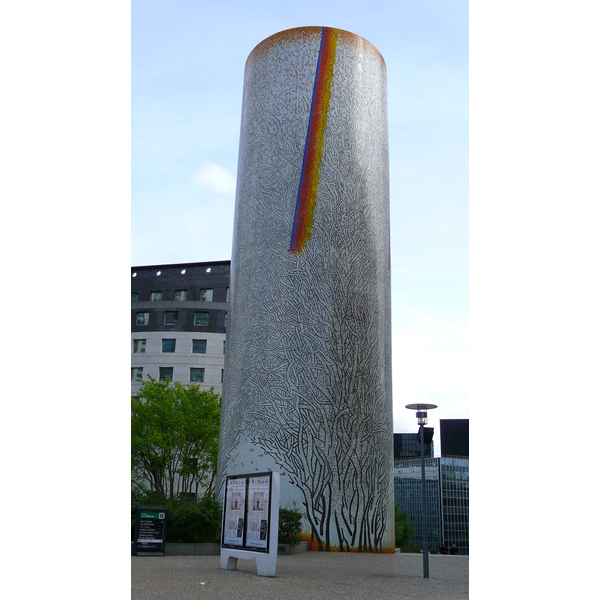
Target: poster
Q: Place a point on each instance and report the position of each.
(257, 527)
(235, 504)
(247, 512)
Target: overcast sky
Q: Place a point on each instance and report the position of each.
(187, 74)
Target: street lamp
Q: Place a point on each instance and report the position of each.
(422, 420)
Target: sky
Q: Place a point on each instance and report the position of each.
(187, 69)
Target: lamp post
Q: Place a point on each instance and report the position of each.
(422, 420)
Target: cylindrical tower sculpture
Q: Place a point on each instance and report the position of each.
(307, 389)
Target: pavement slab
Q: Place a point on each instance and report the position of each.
(328, 575)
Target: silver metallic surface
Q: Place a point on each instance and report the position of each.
(307, 389)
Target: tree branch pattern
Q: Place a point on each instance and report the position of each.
(308, 365)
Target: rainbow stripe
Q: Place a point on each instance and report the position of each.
(313, 149)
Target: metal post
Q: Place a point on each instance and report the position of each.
(424, 494)
(422, 420)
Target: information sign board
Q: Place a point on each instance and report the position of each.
(251, 521)
(247, 510)
(150, 532)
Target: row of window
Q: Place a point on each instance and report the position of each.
(172, 318)
(206, 295)
(196, 374)
(168, 345)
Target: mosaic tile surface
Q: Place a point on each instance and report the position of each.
(307, 388)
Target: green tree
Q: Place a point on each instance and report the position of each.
(404, 529)
(174, 438)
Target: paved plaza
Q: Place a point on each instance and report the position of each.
(307, 575)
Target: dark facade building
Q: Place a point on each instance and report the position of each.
(178, 323)
(406, 445)
(454, 437)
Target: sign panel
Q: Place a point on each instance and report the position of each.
(257, 528)
(234, 510)
(150, 532)
(246, 512)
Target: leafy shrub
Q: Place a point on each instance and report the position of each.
(404, 528)
(189, 521)
(195, 522)
(290, 525)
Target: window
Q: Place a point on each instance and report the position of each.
(197, 375)
(168, 345)
(221, 375)
(142, 318)
(226, 294)
(134, 296)
(201, 318)
(139, 346)
(221, 318)
(181, 295)
(155, 296)
(171, 317)
(206, 295)
(164, 372)
(136, 373)
(199, 346)
(223, 346)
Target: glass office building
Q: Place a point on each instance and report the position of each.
(406, 445)
(447, 501)
(408, 495)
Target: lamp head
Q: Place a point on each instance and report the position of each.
(421, 411)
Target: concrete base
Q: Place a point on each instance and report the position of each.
(179, 549)
(172, 549)
(287, 549)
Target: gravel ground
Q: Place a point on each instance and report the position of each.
(307, 575)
